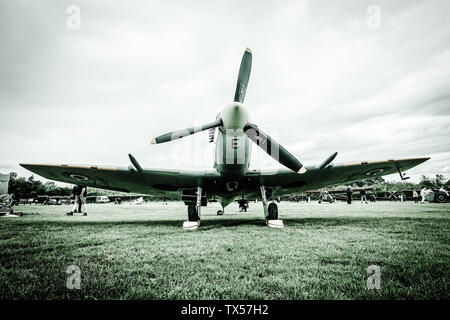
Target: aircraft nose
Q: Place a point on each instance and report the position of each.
(237, 107)
(237, 111)
(235, 116)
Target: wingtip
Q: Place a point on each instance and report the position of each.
(302, 170)
(421, 160)
(248, 50)
(153, 141)
(28, 166)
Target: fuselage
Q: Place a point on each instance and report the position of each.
(233, 148)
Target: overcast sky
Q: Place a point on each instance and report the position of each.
(324, 79)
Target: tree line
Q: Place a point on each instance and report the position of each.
(25, 188)
(379, 183)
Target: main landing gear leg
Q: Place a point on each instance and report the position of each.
(264, 202)
(270, 211)
(194, 213)
(199, 203)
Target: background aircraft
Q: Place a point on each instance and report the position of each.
(230, 177)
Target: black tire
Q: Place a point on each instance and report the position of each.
(273, 211)
(192, 213)
(441, 197)
(6, 201)
(219, 212)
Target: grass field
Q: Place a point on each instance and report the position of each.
(141, 252)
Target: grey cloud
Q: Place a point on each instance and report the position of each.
(321, 80)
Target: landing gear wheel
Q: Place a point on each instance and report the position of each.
(273, 211)
(441, 197)
(220, 213)
(192, 213)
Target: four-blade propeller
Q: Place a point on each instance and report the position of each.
(264, 141)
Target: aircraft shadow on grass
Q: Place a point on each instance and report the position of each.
(227, 222)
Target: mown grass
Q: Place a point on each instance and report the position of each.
(141, 252)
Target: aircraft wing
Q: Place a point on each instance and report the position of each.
(169, 182)
(154, 181)
(286, 181)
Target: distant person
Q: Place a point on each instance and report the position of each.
(423, 192)
(325, 196)
(75, 194)
(349, 192)
(415, 196)
(321, 196)
(83, 195)
(79, 204)
(362, 192)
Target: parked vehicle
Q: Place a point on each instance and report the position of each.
(439, 196)
(138, 201)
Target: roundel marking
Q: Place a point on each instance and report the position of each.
(374, 172)
(78, 177)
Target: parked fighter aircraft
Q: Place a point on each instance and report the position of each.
(230, 178)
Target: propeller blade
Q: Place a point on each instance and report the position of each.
(273, 148)
(328, 161)
(185, 132)
(136, 164)
(244, 75)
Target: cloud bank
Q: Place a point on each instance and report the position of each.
(322, 81)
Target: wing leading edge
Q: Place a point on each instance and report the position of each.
(166, 182)
(155, 181)
(286, 181)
